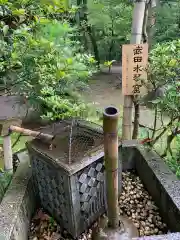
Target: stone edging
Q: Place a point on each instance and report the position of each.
(163, 186)
(17, 205)
(170, 236)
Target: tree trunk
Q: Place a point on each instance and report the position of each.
(7, 149)
(110, 50)
(112, 41)
(164, 130)
(137, 25)
(89, 29)
(94, 44)
(136, 120)
(155, 121)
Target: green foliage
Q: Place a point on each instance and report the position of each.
(109, 64)
(174, 160)
(16, 147)
(164, 71)
(5, 179)
(111, 21)
(43, 60)
(167, 26)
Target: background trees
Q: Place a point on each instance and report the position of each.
(111, 21)
(167, 21)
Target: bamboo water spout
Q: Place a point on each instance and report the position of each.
(35, 134)
(110, 127)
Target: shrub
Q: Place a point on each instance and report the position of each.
(41, 60)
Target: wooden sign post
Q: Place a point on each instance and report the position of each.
(134, 65)
(7, 149)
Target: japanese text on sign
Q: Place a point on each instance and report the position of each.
(134, 64)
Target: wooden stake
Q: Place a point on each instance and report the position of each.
(8, 159)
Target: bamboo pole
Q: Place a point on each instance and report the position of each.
(151, 22)
(137, 25)
(7, 149)
(110, 127)
(35, 134)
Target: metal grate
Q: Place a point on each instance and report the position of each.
(75, 139)
(52, 190)
(91, 190)
(69, 177)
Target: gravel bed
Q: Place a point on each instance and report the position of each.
(138, 205)
(134, 201)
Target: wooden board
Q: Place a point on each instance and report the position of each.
(134, 68)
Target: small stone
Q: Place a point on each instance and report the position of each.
(121, 212)
(159, 224)
(146, 233)
(158, 217)
(137, 225)
(65, 232)
(141, 233)
(147, 228)
(89, 236)
(143, 223)
(164, 225)
(123, 197)
(55, 236)
(143, 214)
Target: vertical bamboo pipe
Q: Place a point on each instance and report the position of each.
(7, 149)
(110, 128)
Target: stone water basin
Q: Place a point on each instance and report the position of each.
(135, 207)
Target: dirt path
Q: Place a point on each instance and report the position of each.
(105, 90)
